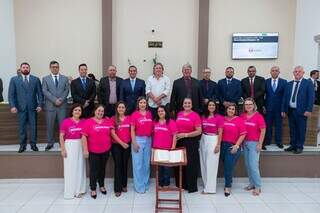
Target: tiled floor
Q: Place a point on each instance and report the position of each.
(46, 195)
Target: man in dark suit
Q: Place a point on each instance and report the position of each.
(1, 90)
(26, 99)
(132, 88)
(109, 90)
(275, 87)
(314, 76)
(55, 88)
(209, 88)
(254, 86)
(229, 89)
(83, 91)
(297, 104)
(186, 87)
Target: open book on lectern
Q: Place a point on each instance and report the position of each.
(166, 156)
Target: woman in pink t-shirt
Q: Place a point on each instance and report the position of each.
(189, 131)
(234, 132)
(256, 130)
(210, 147)
(120, 147)
(71, 151)
(141, 130)
(164, 137)
(96, 139)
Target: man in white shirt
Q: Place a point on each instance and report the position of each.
(314, 76)
(157, 89)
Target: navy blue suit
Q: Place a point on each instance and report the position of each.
(130, 96)
(273, 102)
(297, 121)
(229, 92)
(209, 89)
(26, 98)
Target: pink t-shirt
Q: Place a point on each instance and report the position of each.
(211, 125)
(123, 129)
(143, 123)
(163, 134)
(254, 124)
(233, 129)
(188, 123)
(98, 135)
(71, 128)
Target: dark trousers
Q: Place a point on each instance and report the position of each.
(27, 118)
(164, 176)
(298, 127)
(88, 111)
(97, 164)
(121, 158)
(190, 171)
(229, 161)
(273, 118)
(153, 112)
(110, 110)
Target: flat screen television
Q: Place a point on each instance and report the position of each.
(255, 45)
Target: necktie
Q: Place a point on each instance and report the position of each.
(56, 81)
(132, 84)
(251, 88)
(84, 83)
(274, 86)
(228, 81)
(26, 80)
(315, 85)
(293, 99)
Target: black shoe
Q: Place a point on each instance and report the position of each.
(289, 149)
(297, 151)
(280, 146)
(93, 196)
(264, 147)
(48, 147)
(22, 148)
(34, 148)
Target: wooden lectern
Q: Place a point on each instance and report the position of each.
(169, 189)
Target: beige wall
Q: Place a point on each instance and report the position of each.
(229, 16)
(68, 31)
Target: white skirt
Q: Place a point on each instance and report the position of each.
(74, 169)
(209, 162)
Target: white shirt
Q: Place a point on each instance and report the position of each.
(24, 76)
(158, 87)
(294, 105)
(315, 86)
(252, 79)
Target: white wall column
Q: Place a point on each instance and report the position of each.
(7, 44)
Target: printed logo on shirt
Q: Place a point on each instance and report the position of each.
(144, 120)
(250, 123)
(229, 124)
(124, 126)
(183, 119)
(208, 124)
(74, 130)
(99, 128)
(157, 128)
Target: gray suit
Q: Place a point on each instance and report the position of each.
(51, 94)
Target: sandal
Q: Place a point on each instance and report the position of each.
(249, 188)
(256, 192)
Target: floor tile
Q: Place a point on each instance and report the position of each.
(309, 208)
(32, 208)
(57, 208)
(90, 208)
(255, 207)
(283, 208)
(229, 208)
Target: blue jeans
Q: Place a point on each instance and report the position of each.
(141, 164)
(164, 175)
(251, 159)
(229, 161)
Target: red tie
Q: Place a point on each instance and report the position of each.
(251, 88)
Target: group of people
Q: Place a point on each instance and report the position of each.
(133, 116)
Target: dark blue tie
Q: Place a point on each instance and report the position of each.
(56, 81)
(295, 92)
(84, 83)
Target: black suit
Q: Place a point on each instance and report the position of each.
(80, 95)
(259, 90)
(317, 94)
(179, 93)
(104, 94)
(1, 90)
